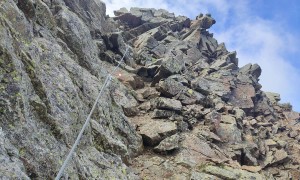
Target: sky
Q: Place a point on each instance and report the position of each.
(266, 32)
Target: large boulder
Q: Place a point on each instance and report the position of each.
(170, 66)
(155, 131)
(169, 144)
(206, 21)
(228, 130)
(243, 96)
(212, 86)
(169, 87)
(251, 69)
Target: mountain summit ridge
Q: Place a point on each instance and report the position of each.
(178, 107)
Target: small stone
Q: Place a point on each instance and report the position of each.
(253, 122)
(282, 143)
(270, 142)
(182, 126)
(130, 111)
(252, 168)
(228, 119)
(146, 106)
(149, 93)
(169, 104)
(280, 156)
(293, 134)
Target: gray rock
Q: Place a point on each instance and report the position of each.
(49, 86)
(251, 69)
(92, 12)
(169, 87)
(180, 79)
(206, 22)
(54, 58)
(242, 96)
(155, 131)
(78, 38)
(200, 175)
(211, 86)
(280, 156)
(188, 97)
(168, 144)
(168, 104)
(227, 130)
(11, 165)
(273, 97)
(170, 66)
(120, 11)
(194, 110)
(262, 105)
(162, 113)
(230, 173)
(149, 92)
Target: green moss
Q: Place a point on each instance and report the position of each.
(19, 94)
(22, 152)
(2, 87)
(124, 171)
(113, 103)
(216, 75)
(202, 166)
(221, 165)
(2, 110)
(190, 91)
(11, 126)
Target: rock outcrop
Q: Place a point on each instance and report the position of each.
(179, 106)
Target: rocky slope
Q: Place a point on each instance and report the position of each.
(178, 108)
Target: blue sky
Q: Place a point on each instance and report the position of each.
(264, 32)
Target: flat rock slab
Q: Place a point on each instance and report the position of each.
(280, 156)
(194, 150)
(242, 96)
(169, 104)
(154, 166)
(200, 175)
(155, 131)
(212, 85)
(230, 173)
(229, 133)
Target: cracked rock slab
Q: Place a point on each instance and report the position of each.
(155, 131)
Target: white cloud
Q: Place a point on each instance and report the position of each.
(256, 40)
(266, 43)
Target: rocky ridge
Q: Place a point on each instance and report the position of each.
(179, 107)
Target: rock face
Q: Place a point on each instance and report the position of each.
(179, 107)
(50, 74)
